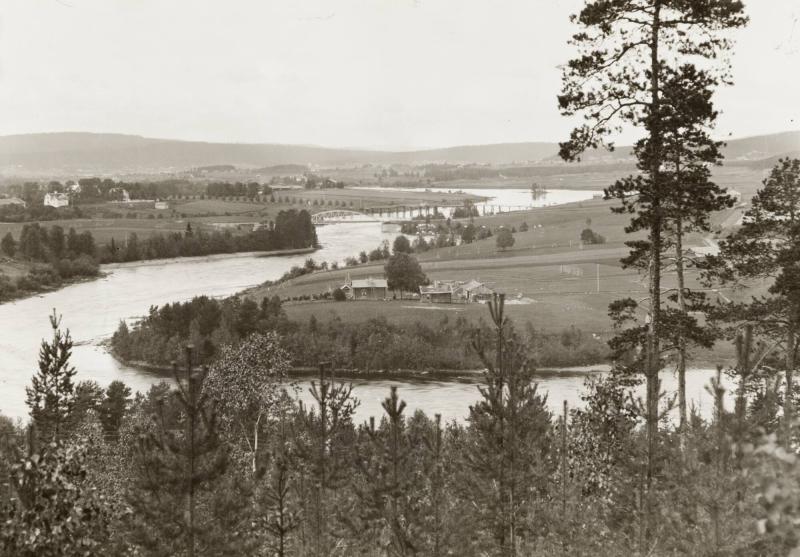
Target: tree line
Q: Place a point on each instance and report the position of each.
(56, 256)
(100, 190)
(368, 346)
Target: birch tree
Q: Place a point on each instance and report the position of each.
(246, 384)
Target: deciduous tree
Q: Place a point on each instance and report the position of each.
(404, 273)
(504, 239)
(246, 383)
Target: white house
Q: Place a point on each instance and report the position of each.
(56, 199)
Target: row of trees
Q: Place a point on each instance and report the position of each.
(291, 229)
(44, 244)
(250, 190)
(98, 190)
(40, 212)
(55, 256)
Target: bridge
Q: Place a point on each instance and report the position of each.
(340, 215)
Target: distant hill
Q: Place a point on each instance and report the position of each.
(117, 153)
(763, 146)
(90, 152)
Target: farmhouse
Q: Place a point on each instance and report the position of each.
(438, 293)
(366, 289)
(474, 291)
(56, 199)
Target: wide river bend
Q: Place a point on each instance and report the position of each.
(92, 311)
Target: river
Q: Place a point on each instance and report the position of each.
(502, 200)
(92, 311)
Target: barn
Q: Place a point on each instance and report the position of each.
(437, 293)
(367, 289)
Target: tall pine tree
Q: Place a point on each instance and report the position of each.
(510, 423)
(767, 248)
(628, 52)
(178, 464)
(51, 396)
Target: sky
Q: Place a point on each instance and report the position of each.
(394, 74)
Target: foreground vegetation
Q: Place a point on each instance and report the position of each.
(230, 463)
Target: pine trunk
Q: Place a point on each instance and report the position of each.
(682, 356)
(654, 330)
(788, 404)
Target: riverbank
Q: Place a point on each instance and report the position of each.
(108, 268)
(438, 375)
(212, 257)
(16, 295)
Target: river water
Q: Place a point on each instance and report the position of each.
(92, 311)
(505, 199)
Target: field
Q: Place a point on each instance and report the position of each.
(212, 213)
(548, 275)
(105, 229)
(550, 280)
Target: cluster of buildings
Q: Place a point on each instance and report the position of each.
(452, 291)
(63, 200)
(438, 292)
(56, 200)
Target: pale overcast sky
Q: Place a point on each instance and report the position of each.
(368, 73)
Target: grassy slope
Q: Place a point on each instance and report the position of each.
(532, 268)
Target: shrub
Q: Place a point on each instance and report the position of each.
(505, 239)
(589, 236)
(7, 288)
